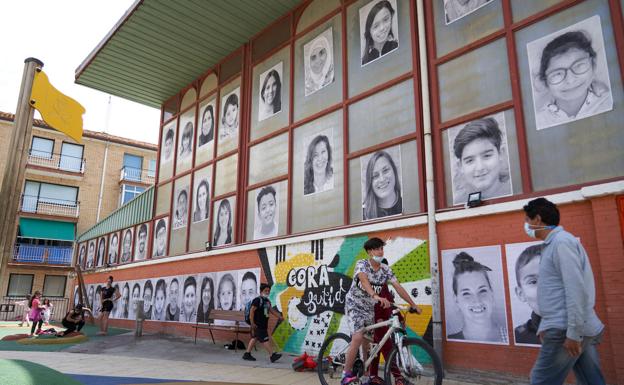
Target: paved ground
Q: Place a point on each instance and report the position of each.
(168, 358)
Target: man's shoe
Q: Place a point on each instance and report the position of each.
(275, 357)
(248, 357)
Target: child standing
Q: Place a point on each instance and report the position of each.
(26, 304)
(47, 312)
(259, 321)
(35, 313)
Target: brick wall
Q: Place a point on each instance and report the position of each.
(595, 222)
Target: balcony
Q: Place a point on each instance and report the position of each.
(37, 254)
(138, 175)
(57, 162)
(48, 206)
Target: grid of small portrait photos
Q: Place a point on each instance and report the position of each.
(482, 154)
(185, 298)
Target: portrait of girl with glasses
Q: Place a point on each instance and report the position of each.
(569, 72)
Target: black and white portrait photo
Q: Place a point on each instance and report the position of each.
(206, 125)
(381, 183)
(180, 207)
(456, 9)
(207, 297)
(168, 143)
(172, 312)
(113, 249)
(201, 200)
(270, 92)
(480, 159)
(474, 295)
(226, 291)
(266, 218)
(188, 311)
(126, 245)
(318, 168)
(378, 30)
(160, 300)
(148, 298)
(249, 287)
(159, 248)
(318, 58)
(523, 260)
(82, 254)
(140, 250)
(230, 110)
(569, 74)
(124, 301)
(135, 297)
(185, 149)
(91, 254)
(223, 222)
(101, 252)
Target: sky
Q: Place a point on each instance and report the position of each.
(62, 33)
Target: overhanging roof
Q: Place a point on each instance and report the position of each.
(160, 46)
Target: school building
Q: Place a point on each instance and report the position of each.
(293, 131)
(67, 188)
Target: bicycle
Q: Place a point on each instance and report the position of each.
(413, 358)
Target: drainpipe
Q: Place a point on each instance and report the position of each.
(429, 177)
(108, 112)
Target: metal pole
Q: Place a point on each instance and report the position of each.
(13, 178)
(429, 177)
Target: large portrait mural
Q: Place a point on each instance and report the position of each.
(318, 60)
(474, 295)
(480, 159)
(379, 29)
(523, 260)
(569, 73)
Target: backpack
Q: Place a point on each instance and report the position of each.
(248, 308)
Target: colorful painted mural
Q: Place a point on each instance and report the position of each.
(310, 281)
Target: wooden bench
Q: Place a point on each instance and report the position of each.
(235, 325)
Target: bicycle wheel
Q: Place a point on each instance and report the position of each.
(331, 358)
(418, 364)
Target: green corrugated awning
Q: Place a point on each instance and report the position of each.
(159, 47)
(42, 229)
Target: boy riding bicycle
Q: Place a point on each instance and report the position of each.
(369, 277)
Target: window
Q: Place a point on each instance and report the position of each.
(20, 285)
(36, 192)
(41, 147)
(54, 285)
(132, 165)
(151, 168)
(71, 157)
(129, 192)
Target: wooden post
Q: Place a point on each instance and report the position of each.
(16, 163)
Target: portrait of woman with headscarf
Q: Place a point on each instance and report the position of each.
(318, 57)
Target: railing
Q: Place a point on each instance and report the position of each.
(59, 308)
(137, 175)
(50, 206)
(56, 161)
(50, 255)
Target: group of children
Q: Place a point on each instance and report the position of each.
(36, 311)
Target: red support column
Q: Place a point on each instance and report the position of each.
(610, 246)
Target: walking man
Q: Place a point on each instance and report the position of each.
(569, 329)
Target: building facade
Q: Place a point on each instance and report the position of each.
(68, 187)
(287, 150)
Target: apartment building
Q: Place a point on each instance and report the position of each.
(67, 188)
